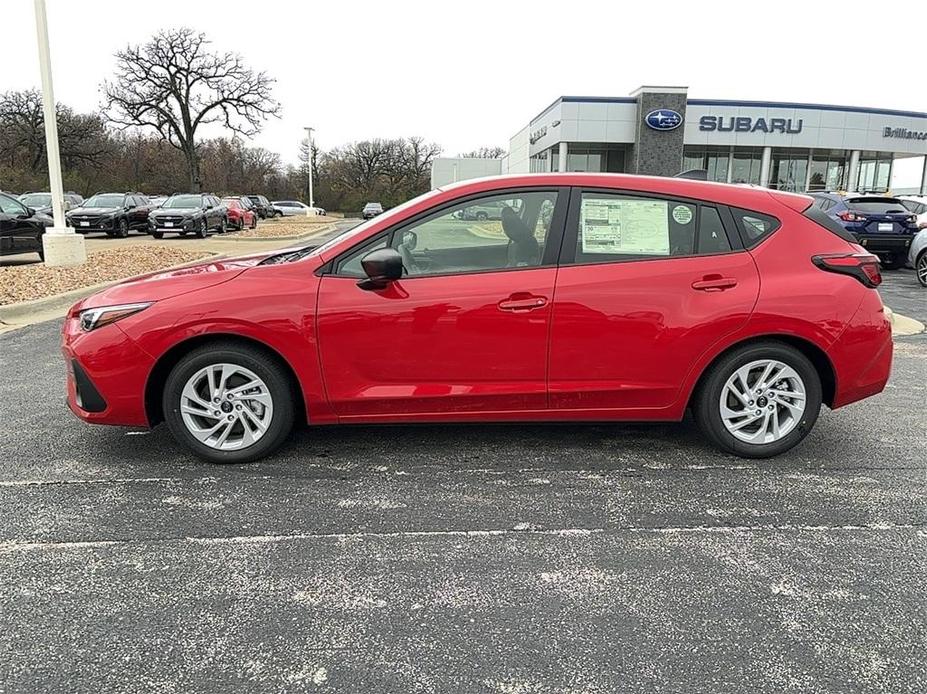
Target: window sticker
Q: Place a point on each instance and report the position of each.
(637, 227)
(682, 214)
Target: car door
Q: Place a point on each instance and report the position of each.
(463, 331)
(646, 286)
(19, 231)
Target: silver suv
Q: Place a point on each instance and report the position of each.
(372, 209)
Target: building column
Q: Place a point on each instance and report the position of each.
(924, 178)
(808, 171)
(764, 166)
(730, 164)
(562, 157)
(853, 170)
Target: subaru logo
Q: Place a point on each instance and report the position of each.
(663, 119)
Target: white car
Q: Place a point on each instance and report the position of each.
(292, 208)
(918, 205)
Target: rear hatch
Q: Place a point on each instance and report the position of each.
(880, 215)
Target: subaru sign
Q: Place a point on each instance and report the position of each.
(663, 119)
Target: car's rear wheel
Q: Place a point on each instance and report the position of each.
(202, 230)
(229, 403)
(920, 268)
(892, 262)
(759, 400)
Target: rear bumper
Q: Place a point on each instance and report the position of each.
(894, 243)
(862, 355)
(106, 374)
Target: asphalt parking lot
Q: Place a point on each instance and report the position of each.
(510, 559)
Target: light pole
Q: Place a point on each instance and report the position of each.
(61, 244)
(309, 138)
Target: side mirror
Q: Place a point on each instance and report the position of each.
(382, 267)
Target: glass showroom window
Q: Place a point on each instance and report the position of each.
(747, 165)
(593, 159)
(875, 171)
(540, 162)
(828, 170)
(713, 159)
(788, 169)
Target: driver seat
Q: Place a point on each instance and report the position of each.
(524, 249)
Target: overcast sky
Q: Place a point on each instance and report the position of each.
(469, 74)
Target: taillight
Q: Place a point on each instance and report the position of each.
(848, 216)
(862, 266)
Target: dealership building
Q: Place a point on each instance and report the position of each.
(660, 131)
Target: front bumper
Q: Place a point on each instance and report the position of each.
(96, 225)
(106, 374)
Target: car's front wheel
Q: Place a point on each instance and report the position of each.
(759, 400)
(158, 234)
(202, 229)
(123, 230)
(920, 268)
(253, 221)
(229, 403)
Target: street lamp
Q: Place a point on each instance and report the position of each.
(61, 244)
(309, 138)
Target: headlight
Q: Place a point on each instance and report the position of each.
(93, 318)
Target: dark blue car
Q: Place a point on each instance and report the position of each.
(882, 224)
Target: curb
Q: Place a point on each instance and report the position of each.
(292, 237)
(12, 314)
(902, 325)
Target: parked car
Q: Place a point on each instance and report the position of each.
(918, 205)
(290, 208)
(880, 223)
(188, 213)
(115, 214)
(917, 256)
(21, 227)
(156, 200)
(652, 297)
(262, 206)
(372, 209)
(42, 202)
(239, 217)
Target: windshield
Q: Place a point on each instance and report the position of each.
(877, 205)
(36, 199)
(184, 201)
(108, 200)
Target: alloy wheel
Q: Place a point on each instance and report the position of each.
(762, 401)
(226, 406)
(921, 269)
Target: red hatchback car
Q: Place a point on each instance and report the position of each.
(575, 297)
(239, 217)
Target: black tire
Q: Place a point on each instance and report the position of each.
(123, 231)
(158, 234)
(892, 262)
(706, 400)
(253, 221)
(920, 268)
(223, 226)
(268, 369)
(278, 213)
(202, 230)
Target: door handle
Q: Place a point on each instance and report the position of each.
(714, 283)
(522, 301)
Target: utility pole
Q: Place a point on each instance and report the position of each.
(61, 244)
(309, 138)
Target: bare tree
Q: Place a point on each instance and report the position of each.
(175, 84)
(483, 153)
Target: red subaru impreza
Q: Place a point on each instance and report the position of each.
(555, 297)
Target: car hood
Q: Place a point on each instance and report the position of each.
(166, 284)
(94, 210)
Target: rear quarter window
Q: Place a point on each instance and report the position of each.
(823, 220)
(754, 227)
